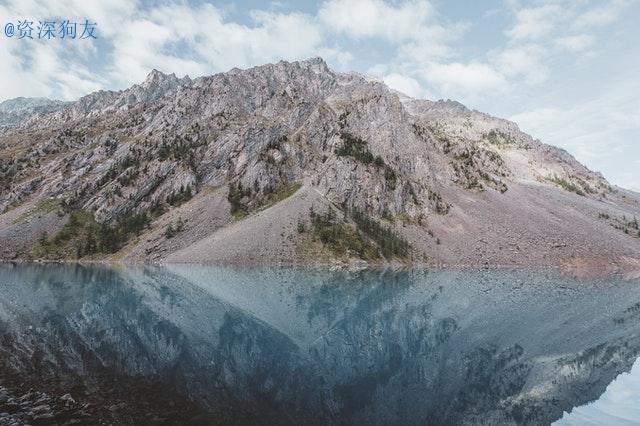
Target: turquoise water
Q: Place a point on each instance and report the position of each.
(300, 346)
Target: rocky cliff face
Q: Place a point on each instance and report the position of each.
(199, 170)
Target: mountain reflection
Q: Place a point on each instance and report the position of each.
(296, 346)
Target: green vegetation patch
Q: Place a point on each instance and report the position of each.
(180, 148)
(8, 171)
(566, 185)
(43, 207)
(340, 237)
(182, 196)
(495, 183)
(369, 239)
(238, 198)
(440, 205)
(627, 225)
(468, 167)
(498, 138)
(82, 236)
(357, 149)
(174, 229)
(46, 206)
(279, 194)
(131, 160)
(390, 243)
(245, 201)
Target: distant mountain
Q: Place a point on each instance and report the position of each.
(294, 163)
(14, 111)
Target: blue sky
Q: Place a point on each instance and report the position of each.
(565, 71)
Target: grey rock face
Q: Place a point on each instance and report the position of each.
(119, 154)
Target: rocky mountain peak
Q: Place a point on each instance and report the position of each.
(315, 64)
(153, 77)
(156, 85)
(157, 78)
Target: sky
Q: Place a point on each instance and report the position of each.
(568, 72)
(619, 405)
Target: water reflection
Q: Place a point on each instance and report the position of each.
(618, 405)
(292, 346)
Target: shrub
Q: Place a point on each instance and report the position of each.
(566, 185)
(235, 197)
(179, 149)
(243, 200)
(390, 243)
(370, 240)
(390, 177)
(177, 198)
(496, 137)
(82, 235)
(356, 148)
(340, 237)
(171, 230)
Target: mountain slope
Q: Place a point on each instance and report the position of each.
(207, 170)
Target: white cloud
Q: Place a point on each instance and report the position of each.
(600, 16)
(339, 58)
(535, 23)
(200, 39)
(465, 79)
(43, 68)
(142, 49)
(411, 26)
(575, 43)
(284, 36)
(178, 38)
(375, 18)
(107, 15)
(570, 129)
(525, 61)
(434, 44)
(213, 43)
(407, 85)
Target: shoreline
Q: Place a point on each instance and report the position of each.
(577, 270)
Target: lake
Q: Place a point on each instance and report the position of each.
(212, 345)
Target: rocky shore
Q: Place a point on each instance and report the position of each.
(38, 408)
(128, 402)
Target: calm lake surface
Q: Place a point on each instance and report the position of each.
(205, 345)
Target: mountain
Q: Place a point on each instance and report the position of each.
(295, 163)
(13, 111)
